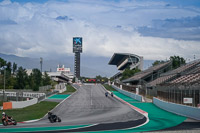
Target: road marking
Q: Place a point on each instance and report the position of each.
(91, 97)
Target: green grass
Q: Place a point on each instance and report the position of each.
(1, 103)
(33, 112)
(108, 87)
(69, 90)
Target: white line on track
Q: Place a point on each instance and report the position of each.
(91, 96)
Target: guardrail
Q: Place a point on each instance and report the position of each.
(23, 94)
(179, 109)
(19, 104)
(132, 95)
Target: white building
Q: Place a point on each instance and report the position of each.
(61, 75)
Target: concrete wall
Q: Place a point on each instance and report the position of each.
(132, 95)
(23, 94)
(22, 104)
(179, 109)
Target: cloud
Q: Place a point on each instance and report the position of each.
(66, 18)
(183, 29)
(46, 29)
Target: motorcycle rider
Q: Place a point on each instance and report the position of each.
(106, 94)
(53, 118)
(6, 116)
(50, 114)
(112, 94)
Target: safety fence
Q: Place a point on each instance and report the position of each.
(132, 95)
(186, 94)
(181, 94)
(45, 88)
(19, 95)
(132, 88)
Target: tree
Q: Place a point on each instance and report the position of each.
(37, 78)
(177, 61)
(21, 78)
(157, 62)
(128, 73)
(12, 82)
(46, 79)
(14, 67)
(2, 62)
(9, 68)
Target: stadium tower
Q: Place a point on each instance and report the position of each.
(77, 49)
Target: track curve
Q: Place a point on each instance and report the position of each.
(89, 106)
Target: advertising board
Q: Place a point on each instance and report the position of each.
(77, 44)
(187, 100)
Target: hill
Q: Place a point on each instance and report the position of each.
(90, 66)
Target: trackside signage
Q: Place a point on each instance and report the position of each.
(187, 100)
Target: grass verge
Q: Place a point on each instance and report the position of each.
(1, 103)
(35, 111)
(108, 87)
(69, 90)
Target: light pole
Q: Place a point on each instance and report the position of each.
(41, 61)
(4, 86)
(4, 83)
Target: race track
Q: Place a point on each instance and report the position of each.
(89, 106)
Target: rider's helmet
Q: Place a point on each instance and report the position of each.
(49, 113)
(3, 113)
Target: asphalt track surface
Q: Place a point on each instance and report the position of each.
(89, 106)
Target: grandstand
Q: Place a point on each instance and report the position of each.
(187, 73)
(149, 75)
(166, 84)
(125, 60)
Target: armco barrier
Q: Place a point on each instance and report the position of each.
(22, 104)
(179, 109)
(132, 95)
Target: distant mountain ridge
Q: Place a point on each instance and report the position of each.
(90, 66)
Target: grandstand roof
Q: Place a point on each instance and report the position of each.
(117, 57)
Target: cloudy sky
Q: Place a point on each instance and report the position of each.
(153, 29)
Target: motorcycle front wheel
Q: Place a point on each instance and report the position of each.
(59, 120)
(51, 120)
(5, 123)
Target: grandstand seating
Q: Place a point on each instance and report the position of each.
(191, 78)
(189, 75)
(161, 80)
(195, 70)
(184, 68)
(148, 72)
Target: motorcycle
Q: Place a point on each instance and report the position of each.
(106, 94)
(53, 118)
(6, 120)
(111, 94)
